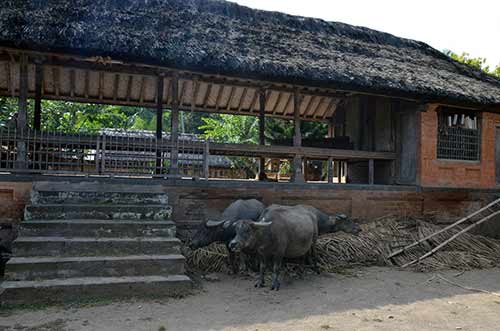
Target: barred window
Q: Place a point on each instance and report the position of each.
(459, 135)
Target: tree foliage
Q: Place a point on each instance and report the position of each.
(475, 62)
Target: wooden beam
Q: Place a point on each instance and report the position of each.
(288, 102)
(37, 118)
(330, 170)
(333, 105)
(174, 131)
(183, 91)
(262, 129)
(21, 125)
(159, 121)
(297, 138)
(316, 109)
(306, 110)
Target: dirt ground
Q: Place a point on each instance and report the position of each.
(365, 299)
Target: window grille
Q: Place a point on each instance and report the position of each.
(459, 135)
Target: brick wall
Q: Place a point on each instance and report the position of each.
(451, 173)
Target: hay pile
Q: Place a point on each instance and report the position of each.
(339, 250)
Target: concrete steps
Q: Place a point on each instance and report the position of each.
(25, 268)
(60, 246)
(93, 240)
(70, 289)
(98, 228)
(93, 211)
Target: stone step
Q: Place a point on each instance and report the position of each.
(98, 197)
(69, 247)
(37, 268)
(56, 291)
(101, 185)
(92, 211)
(98, 228)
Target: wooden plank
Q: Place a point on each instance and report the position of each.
(254, 101)
(316, 109)
(262, 117)
(141, 90)
(289, 151)
(278, 101)
(37, 116)
(101, 85)
(183, 90)
(289, 101)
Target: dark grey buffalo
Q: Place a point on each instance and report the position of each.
(332, 224)
(224, 229)
(282, 232)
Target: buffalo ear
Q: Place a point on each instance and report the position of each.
(213, 224)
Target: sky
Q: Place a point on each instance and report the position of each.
(457, 25)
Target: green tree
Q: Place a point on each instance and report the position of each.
(475, 62)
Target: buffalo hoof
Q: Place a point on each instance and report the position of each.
(260, 283)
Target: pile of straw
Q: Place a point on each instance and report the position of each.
(338, 251)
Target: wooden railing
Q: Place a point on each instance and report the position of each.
(128, 153)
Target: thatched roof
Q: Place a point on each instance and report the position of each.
(220, 37)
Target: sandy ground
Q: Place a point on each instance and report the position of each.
(368, 299)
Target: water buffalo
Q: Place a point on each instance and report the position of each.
(282, 232)
(332, 224)
(224, 230)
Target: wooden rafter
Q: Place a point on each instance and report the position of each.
(289, 101)
(141, 89)
(101, 85)
(183, 92)
(230, 99)
(72, 83)
(309, 104)
(219, 95)
(194, 96)
(242, 98)
(116, 84)
(331, 108)
(86, 84)
(278, 101)
(207, 95)
(56, 80)
(129, 87)
(318, 106)
(254, 101)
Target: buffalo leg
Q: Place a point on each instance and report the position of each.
(262, 269)
(276, 274)
(232, 261)
(313, 259)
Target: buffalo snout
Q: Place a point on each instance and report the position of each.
(233, 245)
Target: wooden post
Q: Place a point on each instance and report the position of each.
(262, 129)
(298, 174)
(159, 123)
(206, 160)
(330, 170)
(174, 130)
(21, 124)
(371, 172)
(37, 119)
